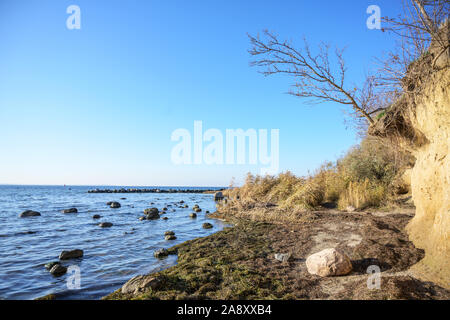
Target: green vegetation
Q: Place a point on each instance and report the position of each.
(240, 263)
(214, 268)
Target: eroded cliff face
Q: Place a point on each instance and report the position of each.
(420, 122)
(430, 179)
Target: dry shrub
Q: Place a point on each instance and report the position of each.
(286, 185)
(307, 195)
(361, 195)
(367, 176)
(330, 180)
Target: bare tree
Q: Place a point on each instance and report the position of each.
(419, 23)
(314, 76)
(321, 77)
(417, 27)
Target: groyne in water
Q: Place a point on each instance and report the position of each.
(154, 190)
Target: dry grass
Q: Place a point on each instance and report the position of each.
(367, 176)
(361, 195)
(307, 195)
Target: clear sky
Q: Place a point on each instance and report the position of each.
(97, 106)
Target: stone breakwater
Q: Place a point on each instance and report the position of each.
(154, 190)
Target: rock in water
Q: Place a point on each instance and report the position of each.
(151, 210)
(58, 270)
(71, 254)
(169, 233)
(207, 225)
(71, 210)
(50, 265)
(152, 213)
(96, 216)
(218, 196)
(115, 205)
(29, 213)
(153, 216)
(170, 237)
(197, 209)
(105, 225)
(140, 283)
(161, 253)
(329, 262)
(193, 215)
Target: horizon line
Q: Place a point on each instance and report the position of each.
(107, 185)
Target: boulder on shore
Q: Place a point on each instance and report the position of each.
(70, 254)
(207, 225)
(161, 253)
(329, 262)
(140, 283)
(218, 196)
(29, 213)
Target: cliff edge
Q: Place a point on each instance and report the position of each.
(420, 122)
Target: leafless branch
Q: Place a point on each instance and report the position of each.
(314, 75)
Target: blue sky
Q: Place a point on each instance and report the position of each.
(97, 106)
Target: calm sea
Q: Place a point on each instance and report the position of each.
(111, 255)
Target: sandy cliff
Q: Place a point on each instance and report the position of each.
(430, 179)
(420, 120)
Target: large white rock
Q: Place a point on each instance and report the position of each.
(329, 262)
